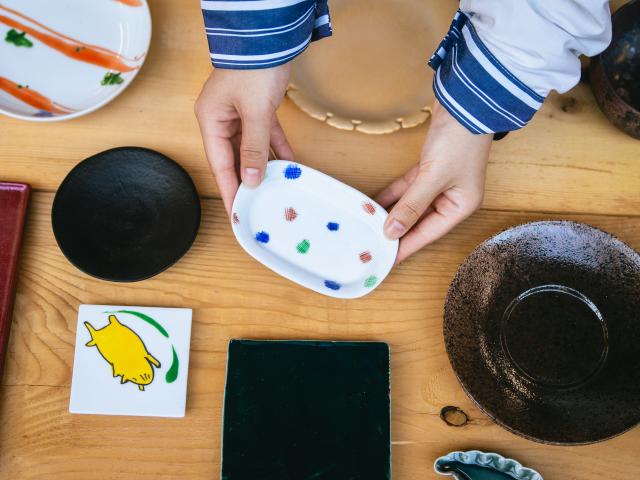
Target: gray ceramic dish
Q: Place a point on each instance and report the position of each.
(476, 465)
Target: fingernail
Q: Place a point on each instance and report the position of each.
(251, 176)
(395, 229)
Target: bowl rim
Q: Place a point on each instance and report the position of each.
(103, 102)
(596, 67)
(493, 460)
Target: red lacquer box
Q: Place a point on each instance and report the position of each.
(14, 198)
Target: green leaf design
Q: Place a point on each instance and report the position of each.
(172, 373)
(146, 318)
(111, 78)
(18, 39)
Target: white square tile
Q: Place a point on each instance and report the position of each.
(131, 361)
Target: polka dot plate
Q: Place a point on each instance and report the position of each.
(314, 230)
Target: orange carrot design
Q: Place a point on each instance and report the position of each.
(58, 34)
(131, 3)
(72, 48)
(31, 97)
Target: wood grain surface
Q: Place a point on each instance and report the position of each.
(569, 163)
(235, 297)
(569, 159)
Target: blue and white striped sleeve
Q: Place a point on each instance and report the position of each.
(500, 59)
(251, 34)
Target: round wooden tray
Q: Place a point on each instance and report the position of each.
(372, 75)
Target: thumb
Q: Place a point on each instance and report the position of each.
(254, 147)
(411, 206)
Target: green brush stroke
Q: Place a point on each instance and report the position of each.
(172, 374)
(112, 79)
(303, 246)
(146, 318)
(18, 39)
(370, 281)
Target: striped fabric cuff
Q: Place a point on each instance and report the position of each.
(251, 34)
(472, 84)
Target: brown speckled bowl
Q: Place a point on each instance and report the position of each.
(615, 73)
(542, 328)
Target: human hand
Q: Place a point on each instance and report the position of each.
(443, 189)
(236, 111)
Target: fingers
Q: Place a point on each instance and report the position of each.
(444, 215)
(217, 137)
(221, 158)
(432, 227)
(412, 205)
(254, 146)
(279, 143)
(428, 230)
(392, 193)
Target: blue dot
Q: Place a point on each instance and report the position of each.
(332, 285)
(292, 172)
(333, 226)
(262, 237)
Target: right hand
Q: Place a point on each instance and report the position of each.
(444, 188)
(236, 111)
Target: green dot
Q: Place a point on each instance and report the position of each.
(303, 246)
(370, 281)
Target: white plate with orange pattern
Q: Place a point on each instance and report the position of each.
(314, 230)
(64, 59)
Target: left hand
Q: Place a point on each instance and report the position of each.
(443, 189)
(236, 111)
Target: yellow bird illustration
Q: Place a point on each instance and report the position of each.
(125, 351)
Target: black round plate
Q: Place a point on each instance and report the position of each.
(542, 328)
(126, 214)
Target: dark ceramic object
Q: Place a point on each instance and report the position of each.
(306, 410)
(126, 214)
(615, 73)
(476, 465)
(542, 328)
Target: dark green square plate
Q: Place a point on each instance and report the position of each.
(301, 410)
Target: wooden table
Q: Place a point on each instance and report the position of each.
(569, 163)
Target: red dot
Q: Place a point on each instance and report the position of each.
(290, 214)
(365, 257)
(369, 208)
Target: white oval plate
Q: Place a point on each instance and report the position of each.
(64, 59)
(314, 230)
